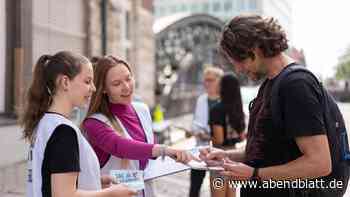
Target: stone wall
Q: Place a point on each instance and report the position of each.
(139, 53)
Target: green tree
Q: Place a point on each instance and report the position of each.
(343, 66)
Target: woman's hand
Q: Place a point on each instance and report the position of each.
(121, 190)
(180, 155)
(106, 181)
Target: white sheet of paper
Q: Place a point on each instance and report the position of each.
(203, 166)
(158, 168)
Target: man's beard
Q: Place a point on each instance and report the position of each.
(256, 76)
(261, 73)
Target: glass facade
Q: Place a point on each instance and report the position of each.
(226, 9)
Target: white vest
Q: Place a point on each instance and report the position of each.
(115, 163)
(89, 175)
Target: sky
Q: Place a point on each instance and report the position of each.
(322, 30)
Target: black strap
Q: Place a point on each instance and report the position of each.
(275, 92)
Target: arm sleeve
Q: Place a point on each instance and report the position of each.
(199, 118)
(104, 137)
(62, 150)
(303, 111)
(217, 116)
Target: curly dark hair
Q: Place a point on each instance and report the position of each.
(244, 33)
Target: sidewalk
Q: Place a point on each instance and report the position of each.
(14, 151)
(12, 166)
(12, 162)
(178, 185)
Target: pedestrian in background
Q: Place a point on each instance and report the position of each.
(200, 126)
(227, 125)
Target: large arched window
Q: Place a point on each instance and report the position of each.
(184, 45)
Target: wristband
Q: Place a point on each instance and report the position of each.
(255, 175)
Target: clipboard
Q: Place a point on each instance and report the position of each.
(159, 168)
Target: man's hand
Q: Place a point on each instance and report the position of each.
(212, 156)
(237, 170)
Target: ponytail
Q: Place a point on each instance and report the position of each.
(43, 87)
(38, 99)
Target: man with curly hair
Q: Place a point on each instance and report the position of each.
(255, 46)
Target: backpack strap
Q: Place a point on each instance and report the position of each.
(277, 117)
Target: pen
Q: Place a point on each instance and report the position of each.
(210, 145)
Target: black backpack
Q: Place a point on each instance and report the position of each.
(334, 122)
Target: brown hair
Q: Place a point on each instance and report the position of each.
(99, 100)
(246, 32)
(43, 86)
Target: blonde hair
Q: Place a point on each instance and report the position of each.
(214, 70)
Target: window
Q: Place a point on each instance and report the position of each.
(172, 9)
(216, 7)
(183, 8)
(159, 11)
(228, 5)
(252, 5)
(194, 8)
(205, 8)
(240, 5)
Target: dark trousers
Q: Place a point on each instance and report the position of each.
(197, 177)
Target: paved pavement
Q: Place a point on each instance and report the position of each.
(13, 150)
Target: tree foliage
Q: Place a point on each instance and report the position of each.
(343, 66)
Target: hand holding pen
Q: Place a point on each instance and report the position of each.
(212, 156)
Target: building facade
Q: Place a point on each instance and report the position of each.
(31, 28)
(2, 55)
(226, 9)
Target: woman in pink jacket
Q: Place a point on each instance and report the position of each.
(120, 130)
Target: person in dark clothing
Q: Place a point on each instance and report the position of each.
(227, 117)
(200, 123)
(255, 46)
(227, 123)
